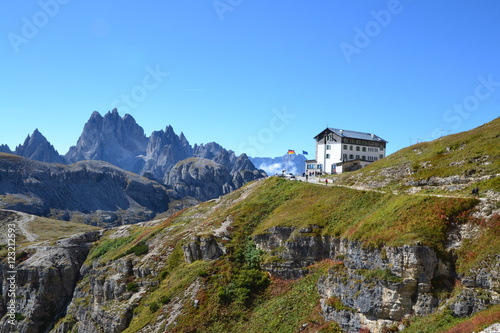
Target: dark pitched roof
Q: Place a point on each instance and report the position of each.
(353, 134)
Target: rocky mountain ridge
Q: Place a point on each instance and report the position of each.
(122, 142)
(87, 191)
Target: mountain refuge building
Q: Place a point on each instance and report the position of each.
(339, 150)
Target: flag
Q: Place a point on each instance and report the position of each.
(304, 152)
(291, 152)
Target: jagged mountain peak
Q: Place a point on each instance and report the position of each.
(112, 138)
(5, 149)
(95, 115)
(38, 148)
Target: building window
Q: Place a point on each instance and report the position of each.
(363, 158)
(364, 148)
(357, 157)
(350, 147)
(351, 156)
(344, 157)
(345, 147)
(381, 148)
(311, 166)
(357, 148)
(328, 147)
(327, 156)
(381, 156)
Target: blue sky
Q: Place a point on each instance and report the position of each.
(259, 77)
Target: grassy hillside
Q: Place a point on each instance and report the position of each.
(473, 155)
(230, 300)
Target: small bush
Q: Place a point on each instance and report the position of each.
(108, 245)
(133, 287)
(139, 249)
(153, 307)
(381, 274)
(337, 304)
(165, 300)
(19, 317)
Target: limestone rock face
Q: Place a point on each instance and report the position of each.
(164, 150)
(82, 191)
(202, 248)
(376, 288)
(200, 178)
(36, 147)
(45, 282)
(113, 139)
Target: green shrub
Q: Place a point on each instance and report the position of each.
(337, 304)
(244, 284)
(133, 287)
(108, 245)
(19, 317)
(139, 249)
(165, 300)
(381, 274)
(153, 307)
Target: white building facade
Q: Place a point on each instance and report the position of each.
(340, 150)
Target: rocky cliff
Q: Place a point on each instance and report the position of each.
(44, 279)
(164, 150)
(378, 288)
(87, 191)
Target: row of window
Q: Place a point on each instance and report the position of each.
(361, 142)
(363, 157)
(358, 148)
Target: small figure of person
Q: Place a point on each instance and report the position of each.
(326, 181)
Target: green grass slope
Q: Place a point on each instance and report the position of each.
(473, 156)
(238, 296)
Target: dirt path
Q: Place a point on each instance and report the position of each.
(22, 223)
(362, 188)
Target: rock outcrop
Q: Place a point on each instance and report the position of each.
(44, 283)
(200, 178)
(376, 288)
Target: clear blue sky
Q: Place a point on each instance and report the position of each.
(257, 76)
